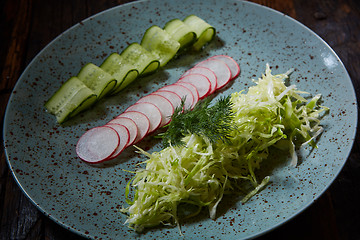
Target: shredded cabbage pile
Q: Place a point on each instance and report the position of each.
(200, 172)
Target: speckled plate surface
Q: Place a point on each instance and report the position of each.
(85, 198)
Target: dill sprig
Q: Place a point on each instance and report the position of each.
(213, 122)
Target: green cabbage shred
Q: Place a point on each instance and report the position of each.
(200, 172)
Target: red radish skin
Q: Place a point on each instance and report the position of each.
(207, 73)
(129, 124)
(151, 111)
(97, 144)
(200, 81)
(193, 90)
(221, 70)
(142, 122)
(174, 98)
(232, 64)
(124, 137)
(183, 92)
(154, 110)
(163, 104)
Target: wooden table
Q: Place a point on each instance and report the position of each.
(29, 25)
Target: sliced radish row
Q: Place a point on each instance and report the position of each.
(151, 111)
(231, 63)
(124, 137)
(174, 98)
(163, 104)
(183, 92)
(142, 122)
(129, 124)
(200, 81)
(97, 144)
(207, 73)
(192, 89)
(155, 110)
(220, 68)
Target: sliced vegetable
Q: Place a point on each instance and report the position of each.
(124, 137)
(200, 81)
(151, 111)
(163, 104)
(192, 89)
(72, 98)
(174, 98)
(97, 144)
(180, 32)
(158, 46)
(155, 110)
(130, 125)
(231, 63)
(121, 70)
(207, 73)
(96, 79)
(204, 31)
(221, 70)
(142, 122)
(183, 92)
(216, 149)
(160, 43)
(143, 60)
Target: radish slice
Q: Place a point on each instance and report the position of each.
(151, 111)
(124, 136)
(207, 73)
(97, 144)
(142, 122)
(183, 92)
(174, 98)
(164, 105)
(201, 83)
(193, 90)
(232, 64)
(221, 70)
(129, 124)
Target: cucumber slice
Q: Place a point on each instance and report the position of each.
(143, 61)
(122, 71)
(72, 98)
(95, 78)
(157, 41)
(87, 103)
(204, 31)
(180, 32)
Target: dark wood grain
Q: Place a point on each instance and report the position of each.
(29, 25)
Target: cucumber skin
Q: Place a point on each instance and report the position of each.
(201, 28)
(144, 61)
(180, 32)
(121, 70)
(96, 79)
(160, 43)
(59, 97)
(63, 105)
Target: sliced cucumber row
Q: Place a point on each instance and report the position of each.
(72, 97)
(157, 47)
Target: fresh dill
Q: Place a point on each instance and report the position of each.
(213, 122)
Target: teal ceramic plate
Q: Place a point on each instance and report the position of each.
(85, 198)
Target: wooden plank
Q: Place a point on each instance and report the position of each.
(13, 64)
(284, 6)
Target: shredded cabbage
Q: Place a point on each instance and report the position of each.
(200, 172)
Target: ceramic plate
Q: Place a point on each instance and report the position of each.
(86, 198)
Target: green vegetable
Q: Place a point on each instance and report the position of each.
(158, 46)
(203, 168)
(213, 122)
